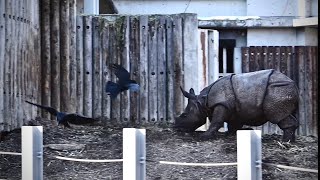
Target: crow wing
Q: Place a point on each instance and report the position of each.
(78, 119)
(114, 89)
(47, 108)
(122, 74)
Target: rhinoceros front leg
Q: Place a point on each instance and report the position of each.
(219, 115)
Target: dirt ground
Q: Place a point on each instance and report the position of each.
(102, 142)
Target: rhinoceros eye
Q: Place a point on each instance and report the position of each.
(183, 115)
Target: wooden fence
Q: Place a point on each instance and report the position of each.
(19, 61)
(156, 49)
(300, 63)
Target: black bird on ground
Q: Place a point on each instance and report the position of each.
(124, 82)
(66, 118)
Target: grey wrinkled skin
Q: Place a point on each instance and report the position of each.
(243, 99)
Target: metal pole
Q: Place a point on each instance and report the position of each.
(249, 154)
(134, 154)
(32, 152)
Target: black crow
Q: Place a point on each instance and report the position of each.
(66, 118)
(124, 82)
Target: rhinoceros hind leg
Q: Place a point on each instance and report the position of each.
(289, 126)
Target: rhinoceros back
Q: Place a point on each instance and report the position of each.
(250, 90)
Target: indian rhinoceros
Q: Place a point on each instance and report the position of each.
(251, 99)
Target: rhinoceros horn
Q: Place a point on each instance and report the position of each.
(190, 94)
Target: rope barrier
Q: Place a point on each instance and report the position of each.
(197, 164)
(11, 153)
(90, 160)
(292, 168)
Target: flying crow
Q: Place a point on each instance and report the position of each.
(66, 118)
(124, 82)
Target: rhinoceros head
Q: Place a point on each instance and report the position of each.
(193, 116)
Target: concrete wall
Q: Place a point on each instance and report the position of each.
(271, 37)
(272, 7)
(203, 8)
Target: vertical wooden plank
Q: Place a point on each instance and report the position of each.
(277, 65)
(79, 62)
(106, 76)
(283, 62)
(134, 53)
(24, 106)
(252, 63)
(277, 58)
(265, 59)
(55, 54)
(73, 54)
(143, 69)
(213, 55)
(45, 56)
(308, 90)
(87, 54)
(289, 61)
(115, 37)
(7, 75)
(19, 118)
(161, 76)
(14, 64)
(64, 56)
(125, 61)
(203, 58)
(96, 87)
(258, 59)
(300, 55)
(178, 64)
(2, 62)
(153, 70)
(190, 51)
(315, 95)
(245, 59)
(170, 70)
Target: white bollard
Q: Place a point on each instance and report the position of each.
(249, 155)
(134, 154)
(32, 152)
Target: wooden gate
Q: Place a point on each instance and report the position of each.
(300, 63)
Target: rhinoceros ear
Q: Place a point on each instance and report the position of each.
(188, 95)
(191, 91)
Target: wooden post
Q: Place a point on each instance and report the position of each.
(87, 55)
(55, 55)
(153, 70)
(106, 76)
(178, 71)
(190, 52)
(45, 56)
(161, 76)
(126, 62)
(2, 62)
(32, 152)
(143, 68)
(249, 155)
(96, 71)
(79, 62)
(213, 55)
(65, 56)
(134, 53)
(170, 71)
(134, 154)
(73, 54)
